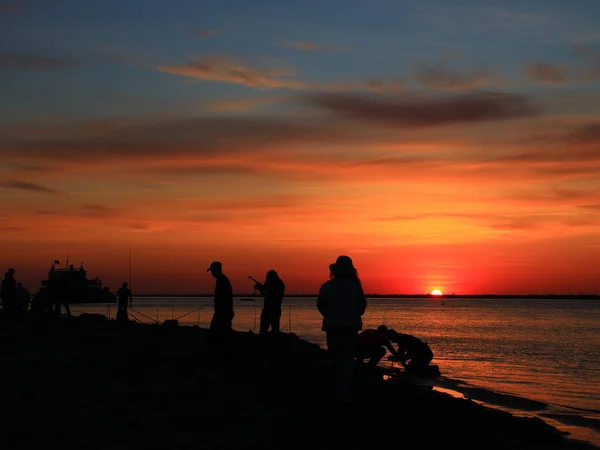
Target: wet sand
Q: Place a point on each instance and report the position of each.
(97, 384)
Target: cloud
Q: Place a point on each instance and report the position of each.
(25, 61)
(431, 215)
(8, 228)
(382, 85)
(439, 76)
(587, 133)
(11, 7)
(245, 104)
(206, 32)
(309, 46)
(94, 210)
(226, 70)
(425, 110)
(587, 69)
(26, 186)
(593, 207)
(546, 73)
(82, 143)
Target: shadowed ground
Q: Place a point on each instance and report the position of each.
(77, 383)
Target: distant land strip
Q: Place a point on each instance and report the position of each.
(444, 296)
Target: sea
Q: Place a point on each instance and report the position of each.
(530, 357)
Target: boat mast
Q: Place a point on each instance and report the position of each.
(129, 266)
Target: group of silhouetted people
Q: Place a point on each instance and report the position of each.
(220, 329)
(15, 297)
(342, 303)
(17, 301)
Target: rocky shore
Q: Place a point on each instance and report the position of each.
(91, 383)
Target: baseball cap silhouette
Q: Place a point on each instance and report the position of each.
(215, 265)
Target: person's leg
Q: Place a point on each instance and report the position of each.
(262, 334)
(211, 341)
(342, 346)
(376, 355)
(276, 330)
(227, 339)
(346, 363)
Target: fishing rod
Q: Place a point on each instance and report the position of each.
(255, 283)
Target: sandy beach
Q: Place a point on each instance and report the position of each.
(86, 382)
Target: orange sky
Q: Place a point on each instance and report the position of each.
(474, 172)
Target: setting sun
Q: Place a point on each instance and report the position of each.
(436, 292)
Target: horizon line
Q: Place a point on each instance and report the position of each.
(553, 295)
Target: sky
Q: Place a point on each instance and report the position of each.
(441, 145)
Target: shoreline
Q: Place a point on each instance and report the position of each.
(394, 296)
(139, 386)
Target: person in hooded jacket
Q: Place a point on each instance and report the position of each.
(342, 303)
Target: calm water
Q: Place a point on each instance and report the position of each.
(530, 357)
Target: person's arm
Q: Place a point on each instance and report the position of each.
(322, 302)
(362, 302)
(391, 348)
(262, 287)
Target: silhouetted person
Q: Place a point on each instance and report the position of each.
(124, 298)
(342, 303)
(414, 354)
(273, 289)
(220, 330)
(60, 294)
(41, 305)
(373, 345)
(22, 299)
(8, 291)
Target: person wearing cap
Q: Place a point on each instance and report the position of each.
(342, 303)
(8, 292)
(219, 332)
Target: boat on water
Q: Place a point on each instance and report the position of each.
(75, 285)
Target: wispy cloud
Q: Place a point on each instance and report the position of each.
(206, 32)
(26, 61)
(26, 186)
(309, 46)
(546, 73)
(94, 210)
(245, 104)
(439, 76)
(11, 7)
(426, 111)
(383, 85)
(555, 74)
(585, 69)
(227, 70)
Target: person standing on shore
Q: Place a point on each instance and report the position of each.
(125, 296)
(8, 292)
(220, 330)
(342, 303)
(273, 289)
(22, 298)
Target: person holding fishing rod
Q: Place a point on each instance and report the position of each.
(273, 290)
